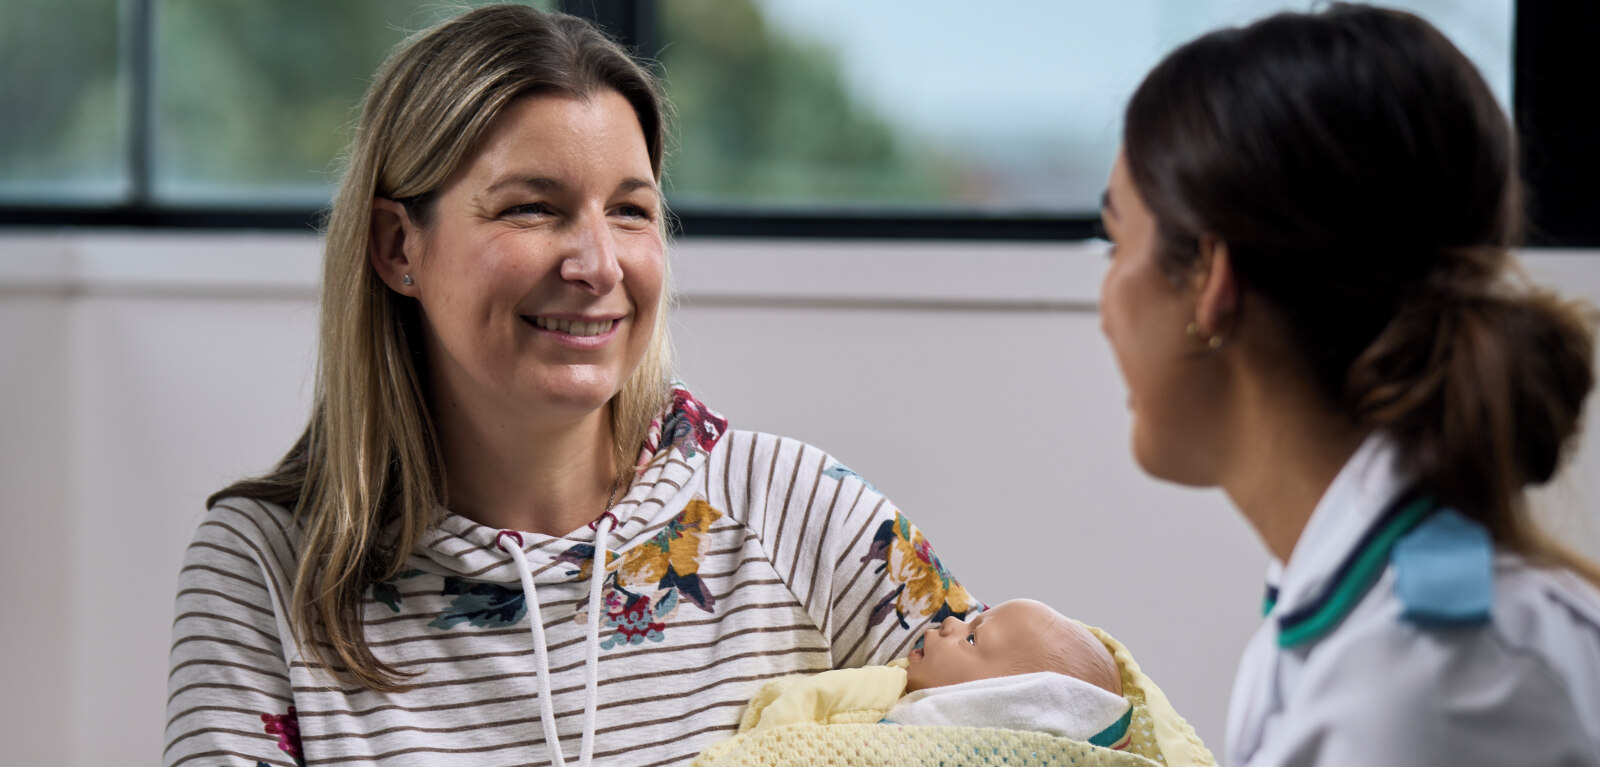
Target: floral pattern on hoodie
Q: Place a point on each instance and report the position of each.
(689, 426)
(684, 567)
(653, 580)
(924, 588)
(287, 727)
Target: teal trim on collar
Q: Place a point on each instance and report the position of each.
(1109, 736)
(1359, 572)
(1444, 572)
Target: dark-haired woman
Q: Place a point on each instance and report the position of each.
(1312, 304)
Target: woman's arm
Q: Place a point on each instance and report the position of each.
(865, 574)
(229, 698)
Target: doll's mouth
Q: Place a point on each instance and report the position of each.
(915, 654)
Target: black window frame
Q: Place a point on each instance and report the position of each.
(1557, 127)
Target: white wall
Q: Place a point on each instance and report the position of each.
(142, 371)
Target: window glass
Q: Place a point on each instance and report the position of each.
(782, 105)
(1014, 108)
(63, 126)
(254, 99)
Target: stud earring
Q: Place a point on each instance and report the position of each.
(1213, 342)
(406, 280)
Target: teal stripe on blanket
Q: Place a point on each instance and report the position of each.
(1110, 735)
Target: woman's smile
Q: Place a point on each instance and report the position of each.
(576, 333)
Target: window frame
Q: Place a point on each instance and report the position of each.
(1560, 161)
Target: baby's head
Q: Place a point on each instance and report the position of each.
(1020, 636)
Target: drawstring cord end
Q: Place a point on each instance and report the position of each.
(511, 542)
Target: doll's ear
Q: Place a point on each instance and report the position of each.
(394, 246)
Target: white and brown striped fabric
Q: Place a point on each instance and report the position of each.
(737, 563)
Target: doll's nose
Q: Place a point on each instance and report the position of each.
(949, 624)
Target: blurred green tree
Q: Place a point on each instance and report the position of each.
(253, 102)
(63, 124)
(765, 118)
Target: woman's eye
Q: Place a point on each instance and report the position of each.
(972, 638)
(532, 208)
(635, 211)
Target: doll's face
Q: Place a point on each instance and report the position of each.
(1009, 638)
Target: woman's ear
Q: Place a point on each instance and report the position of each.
(1217, 289)
(392, 245)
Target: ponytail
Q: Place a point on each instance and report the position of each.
(1482, 387)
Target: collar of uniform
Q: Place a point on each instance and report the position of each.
(1349, 509)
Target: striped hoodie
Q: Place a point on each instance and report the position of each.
(736, 557)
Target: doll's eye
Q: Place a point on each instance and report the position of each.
(972, 638)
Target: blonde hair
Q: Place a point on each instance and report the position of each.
(368, 465)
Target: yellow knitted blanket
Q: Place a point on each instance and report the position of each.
(1158, 735)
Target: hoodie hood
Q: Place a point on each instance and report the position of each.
(677, 445)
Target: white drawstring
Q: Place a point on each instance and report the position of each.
(541, 656)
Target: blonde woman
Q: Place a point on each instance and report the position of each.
(420, 580)
(1313, 305)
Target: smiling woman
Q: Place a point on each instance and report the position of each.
(497, 454)
(538, 269)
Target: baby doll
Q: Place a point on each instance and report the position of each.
(1018, 665)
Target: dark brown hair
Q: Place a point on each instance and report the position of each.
(1362, 177)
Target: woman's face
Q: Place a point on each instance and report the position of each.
(542, 267)
(1144, 313)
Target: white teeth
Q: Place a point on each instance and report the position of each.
(574, 328)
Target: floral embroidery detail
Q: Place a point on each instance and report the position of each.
(388, 592)
(480, 604)
(839, 471)
(689, 426)
(582, 555)
(287, 728)
(636, 618)
(653, 579)
(923, 587)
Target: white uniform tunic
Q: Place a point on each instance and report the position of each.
(1395, 641)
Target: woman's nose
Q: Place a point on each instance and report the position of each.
(592, 257)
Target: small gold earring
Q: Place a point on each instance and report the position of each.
(406, 280)
(1193, 329)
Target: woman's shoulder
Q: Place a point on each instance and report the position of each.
(246, 526)
(761, 443)
(1538, 647)
(1375, 692)
(1552, 614)
(782, 485)
(751, 447)
(776, 465)
(1383, 677)
(1532, 610)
